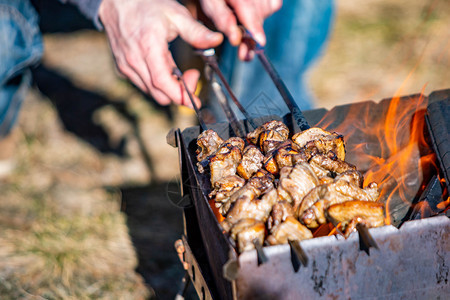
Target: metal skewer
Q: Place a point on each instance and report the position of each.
(210, 59)
(366, 240)
(262, 258)
(177, 72)
(285, 94)
(298, 255)
(235, 125)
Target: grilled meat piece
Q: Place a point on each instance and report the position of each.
(297, 183)
(280, 211)
(251, 162)
(274, 125)
(236, 142)
(280, 157)
(350, 213)
(290, 229)
(208, 142)
(225, 187)
(332, 165)
(312, 209)
(323, 140)
(271, 139)
(261, 182)
(247, 207)
(246, 231)
(353, 177)
(226, 159)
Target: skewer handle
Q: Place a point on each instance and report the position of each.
(298, 255)
(262, 258)
(366, 240)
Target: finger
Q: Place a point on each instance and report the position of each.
(159, 64)
(275, 5)
(251, 17)
(191, 77)
(245, 53)
(224, 19)
(135, 70)
(195, 33)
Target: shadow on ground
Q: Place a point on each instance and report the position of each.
(154, 225)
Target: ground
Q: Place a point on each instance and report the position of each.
(86, 214)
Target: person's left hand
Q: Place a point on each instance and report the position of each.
(250, 13)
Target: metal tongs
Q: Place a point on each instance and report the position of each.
(280, 85)
(210, 59)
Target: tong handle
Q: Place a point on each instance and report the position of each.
(279, 83)
(177, 72)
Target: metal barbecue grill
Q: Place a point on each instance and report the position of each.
(412, 261)
(409, 258)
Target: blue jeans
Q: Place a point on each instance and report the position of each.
(20, 49)
(295, 36)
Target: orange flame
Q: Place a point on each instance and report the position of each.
(403, 161)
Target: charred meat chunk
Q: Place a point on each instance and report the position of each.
(350, 213)
(225, 187)
(251, 162)
(258, 209)
(280, 211)
(289, 230)
(297, 183)
(312, 209)
(226, 159)
(246, 231)
(260, 183)
(274, 125)
(208, 142)
(323, 140)
(280, 157)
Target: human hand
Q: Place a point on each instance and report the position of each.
(251, 13)
(139, 33)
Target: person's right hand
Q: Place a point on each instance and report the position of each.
(139, 32)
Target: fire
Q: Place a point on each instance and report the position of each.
(391, 146)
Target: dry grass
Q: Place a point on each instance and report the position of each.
(378, 47)
(63, 236)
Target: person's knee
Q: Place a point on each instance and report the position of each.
(20, 39)
(20, 49)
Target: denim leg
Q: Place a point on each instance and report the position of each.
(295, 36)
(20, 49)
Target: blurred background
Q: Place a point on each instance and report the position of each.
(86, 212)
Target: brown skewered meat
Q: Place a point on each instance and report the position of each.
(280, 211)
(208, 142)
(226, 159)
(323, 140)
(314, 184)
(328, 165)
(251, 162)
(274, 125)
(246, 231)
(271, 139)
(312, 209)
(261, 182)
(280, 157)
(290, 229)
(225, 187)
(255, 208)
(350, 213)
(295, 185)
(236, 142)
